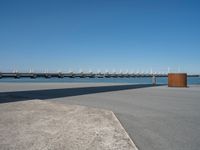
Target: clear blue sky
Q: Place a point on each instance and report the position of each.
(100, 34)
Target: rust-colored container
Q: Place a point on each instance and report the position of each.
(177, 80)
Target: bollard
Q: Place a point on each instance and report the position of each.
(153, 80)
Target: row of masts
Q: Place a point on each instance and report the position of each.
(92, 72)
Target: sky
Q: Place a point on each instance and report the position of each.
(99, 35)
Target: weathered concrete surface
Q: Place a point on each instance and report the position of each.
(156, 118)
(43, 125)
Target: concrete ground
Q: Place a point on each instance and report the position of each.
(155, 117)
(43, 125)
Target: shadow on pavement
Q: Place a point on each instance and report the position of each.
(6, 97)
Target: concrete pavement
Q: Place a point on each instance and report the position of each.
(155, 117)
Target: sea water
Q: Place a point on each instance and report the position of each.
(136, 80)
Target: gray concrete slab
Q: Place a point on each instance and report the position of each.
(43, 125)
(156, 118)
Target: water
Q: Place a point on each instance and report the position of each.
(141, 80)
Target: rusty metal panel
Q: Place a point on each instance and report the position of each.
(177, 80)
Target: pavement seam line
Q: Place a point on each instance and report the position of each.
(133, 144)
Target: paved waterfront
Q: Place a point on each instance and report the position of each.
(155, 117)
